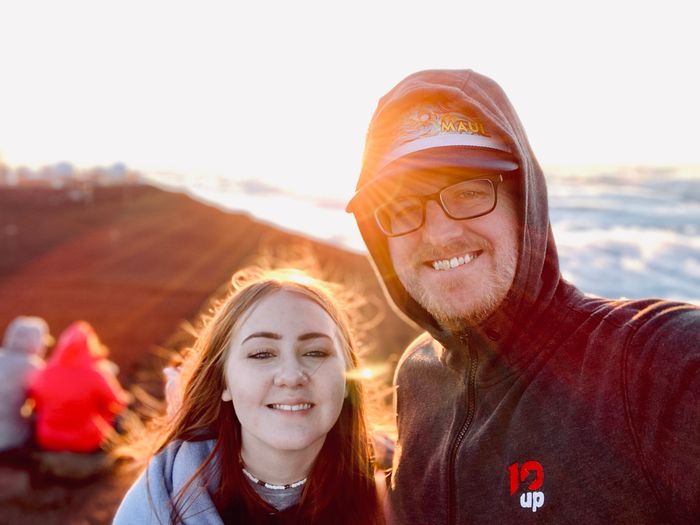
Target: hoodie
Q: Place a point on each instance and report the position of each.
(559, 407)
(150, 500)
(76, 398)
(21, 356)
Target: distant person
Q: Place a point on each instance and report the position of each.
(76, 396)
(172, 387)
(525, 400)
(269, 428)
(21, 357)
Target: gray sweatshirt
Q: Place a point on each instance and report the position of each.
(19, 360)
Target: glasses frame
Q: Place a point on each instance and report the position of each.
(495, 180)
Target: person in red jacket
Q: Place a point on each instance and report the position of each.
(76, 396)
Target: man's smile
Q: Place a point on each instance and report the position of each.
(454, 262)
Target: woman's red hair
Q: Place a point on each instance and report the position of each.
(340, 487)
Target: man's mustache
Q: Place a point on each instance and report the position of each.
(431, 252)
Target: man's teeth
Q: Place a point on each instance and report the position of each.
(447, 264)
(291, 408)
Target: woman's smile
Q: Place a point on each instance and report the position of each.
(285, 374)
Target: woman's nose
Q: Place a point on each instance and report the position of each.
(291, 373)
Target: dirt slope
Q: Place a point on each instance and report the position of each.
(135, 262)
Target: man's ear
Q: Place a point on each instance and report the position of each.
(226, 395)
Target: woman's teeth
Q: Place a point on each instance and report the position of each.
(448, 264)
(291, 408)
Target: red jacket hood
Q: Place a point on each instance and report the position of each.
(74, 346)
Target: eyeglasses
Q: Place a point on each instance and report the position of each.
(467, 199)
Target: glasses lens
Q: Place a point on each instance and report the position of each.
(469, 198)
(400, 216)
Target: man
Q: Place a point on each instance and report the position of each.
(525, 399)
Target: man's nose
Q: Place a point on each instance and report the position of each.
(439, 228)
(290, 373)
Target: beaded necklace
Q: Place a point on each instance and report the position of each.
(272, 485)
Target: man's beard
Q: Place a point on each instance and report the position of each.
(456, 317)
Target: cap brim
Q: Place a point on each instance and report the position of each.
(467, 157)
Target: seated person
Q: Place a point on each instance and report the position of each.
(21, 356)
(76, 396)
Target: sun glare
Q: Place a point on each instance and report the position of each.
(368, 372)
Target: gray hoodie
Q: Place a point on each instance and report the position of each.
(149, 500)
(21, 355)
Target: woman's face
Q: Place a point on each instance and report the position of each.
(285, 373)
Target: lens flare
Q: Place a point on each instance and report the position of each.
(368, 372)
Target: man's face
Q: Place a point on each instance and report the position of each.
(485, 249)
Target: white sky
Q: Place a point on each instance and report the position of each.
(283, 91)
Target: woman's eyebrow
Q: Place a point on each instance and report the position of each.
(266, 335)
(312, 335)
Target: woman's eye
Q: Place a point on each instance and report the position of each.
(260, 354)
(317, 353)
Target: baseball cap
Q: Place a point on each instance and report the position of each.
(426, 134)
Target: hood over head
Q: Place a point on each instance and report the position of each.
(29, 335)
(457, 117)
(78, 345)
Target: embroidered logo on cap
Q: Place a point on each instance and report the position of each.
(473, 127)
(430, 121)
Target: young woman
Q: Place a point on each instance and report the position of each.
(269, 429)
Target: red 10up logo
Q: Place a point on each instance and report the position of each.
(530, 470)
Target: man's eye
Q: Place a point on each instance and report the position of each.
(261, 354)
(408, 211)
(468, 194)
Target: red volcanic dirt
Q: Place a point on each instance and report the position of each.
(136, 262)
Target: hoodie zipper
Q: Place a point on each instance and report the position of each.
(471, 405)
